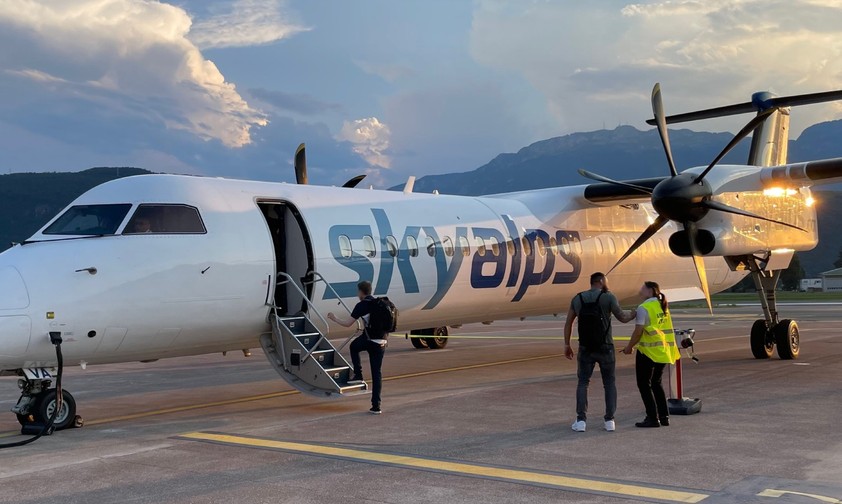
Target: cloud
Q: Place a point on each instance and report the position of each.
(129, 57)
(595, 63)
(370, 139)
(303, 104)
(389, 72)
(247, 23)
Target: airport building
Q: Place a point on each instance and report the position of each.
(832, 280)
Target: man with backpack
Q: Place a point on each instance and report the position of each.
(593, 308)
(379, 318)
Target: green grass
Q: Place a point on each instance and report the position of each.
(726, 298)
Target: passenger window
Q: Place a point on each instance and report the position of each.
(600, 249)
(540, 247)
(412, 244)
(165, 219)
(565, 245)
(464, 246)
(431, 246)
(89, 220)
(368, 246)
(577, 245)
(510, 246)
(495, 246)
(480, 246)
(447, 243)
(527, 247)
(345, 246)
(392, 245)
(612, 247)
(553, 245)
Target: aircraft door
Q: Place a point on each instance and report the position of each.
(293, 253)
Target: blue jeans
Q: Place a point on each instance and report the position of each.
(375, 358)
(587, 360)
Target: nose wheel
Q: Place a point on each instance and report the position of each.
(37, 404)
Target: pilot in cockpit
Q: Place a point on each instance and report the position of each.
(141, 225)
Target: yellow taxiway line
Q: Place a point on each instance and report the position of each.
(521, 476)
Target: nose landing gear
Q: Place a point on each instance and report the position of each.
(37, 403)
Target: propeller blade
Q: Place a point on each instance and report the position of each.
(747, 129)
(699, 263)
(600, 178)
(647, 233)
(660, 118)
(300, 165)
(722, 207)
(354, 181)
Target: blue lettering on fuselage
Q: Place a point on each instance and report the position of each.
(488, 265)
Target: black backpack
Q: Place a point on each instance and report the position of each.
(383, 318)
(593, 325)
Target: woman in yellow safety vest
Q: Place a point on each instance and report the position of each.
(654, 338)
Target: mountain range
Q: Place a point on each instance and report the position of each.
(29, 200)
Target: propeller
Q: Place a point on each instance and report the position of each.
(301, 169)
(686, 198)
(300, 165)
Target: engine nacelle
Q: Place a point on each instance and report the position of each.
(680, 242)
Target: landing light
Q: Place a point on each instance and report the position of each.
(777, 192)
(810, 201)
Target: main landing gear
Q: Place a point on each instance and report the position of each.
(769, 332)
(436, 338)
(37, 404)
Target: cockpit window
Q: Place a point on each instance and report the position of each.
(89, 220)
(165, 219)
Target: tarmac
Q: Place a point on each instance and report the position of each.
(485, 420)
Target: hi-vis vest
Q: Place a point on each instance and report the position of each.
(658, 339)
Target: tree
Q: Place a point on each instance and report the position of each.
(791, 277)
(838, 263)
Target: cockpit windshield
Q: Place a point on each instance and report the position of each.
(89, 220)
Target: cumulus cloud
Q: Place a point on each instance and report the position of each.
(595, 63)
(246, 23)
(370, 139)
(130, 57)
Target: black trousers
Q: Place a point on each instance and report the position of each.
(375, 358)
(649, 374)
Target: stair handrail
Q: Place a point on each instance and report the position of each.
(318, 277)
(322, 335)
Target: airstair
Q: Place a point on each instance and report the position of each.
(301, 352)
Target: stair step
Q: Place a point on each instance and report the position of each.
(350, 390)
(308, 340)
(339, 374)
(324, 357)
(296, 325)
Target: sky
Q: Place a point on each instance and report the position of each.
(385, 88)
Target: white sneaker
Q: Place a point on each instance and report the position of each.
(578, 426)
(609, 425)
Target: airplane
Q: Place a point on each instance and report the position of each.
(159, 266)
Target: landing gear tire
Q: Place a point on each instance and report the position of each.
(762, 345)
(419, 343)
(787, 339)
(45, 405)
(439, 339)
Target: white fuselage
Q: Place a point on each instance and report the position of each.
(163, 295)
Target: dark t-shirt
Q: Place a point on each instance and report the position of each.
(607, 303)
(363, 310)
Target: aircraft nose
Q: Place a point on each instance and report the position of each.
(15, 326)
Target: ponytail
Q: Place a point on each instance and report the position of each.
(657, 294)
